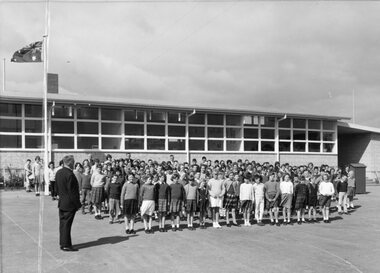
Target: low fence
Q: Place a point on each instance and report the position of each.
(12, 178)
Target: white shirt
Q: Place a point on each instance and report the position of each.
(326, 188)
(286, 187)
(259, 190)
(246, 192)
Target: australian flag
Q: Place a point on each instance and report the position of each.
(28, 54)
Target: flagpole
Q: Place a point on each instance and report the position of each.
(3, 75)
(353, 105)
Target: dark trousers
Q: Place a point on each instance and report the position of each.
(66, 219)
(53, 189)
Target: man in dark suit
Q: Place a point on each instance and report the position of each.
(69, 201)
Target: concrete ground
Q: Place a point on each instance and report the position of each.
(350, 243)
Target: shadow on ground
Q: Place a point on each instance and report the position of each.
(104, 241)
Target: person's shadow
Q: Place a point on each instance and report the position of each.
(104, 241)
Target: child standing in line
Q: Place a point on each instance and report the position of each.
(191, 191)
(216, 191)
(86, 189)
(301, 195)
(272, 192)
(313, 200)
(259, 192)
(52, 186)
(342, 187)
(177, 198)
(163, 200)
(147, 196)
(351, 189)
(98, 181)
(326, 191)
(37, 170)
(28, 175)
(202, 202)
(231, 198)
(114, 190)
(129, 202)
(246, 198)
(286, 188)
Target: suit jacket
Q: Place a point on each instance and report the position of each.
(68, 190)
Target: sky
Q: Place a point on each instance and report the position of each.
(284, 56)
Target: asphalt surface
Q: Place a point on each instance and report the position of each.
(350, 243)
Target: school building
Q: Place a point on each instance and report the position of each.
(81, 125)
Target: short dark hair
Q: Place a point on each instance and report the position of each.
(68, 159)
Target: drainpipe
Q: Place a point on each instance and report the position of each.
(278, 138)
(187, 136)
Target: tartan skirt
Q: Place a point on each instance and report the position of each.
(271, 204)
(175, 205)
(191, 206)
(300, 202)
(162, 205)
(246, 205)
(130, 207)
(286, 200)
(325, 201)
(351, 193)
(313, 201)
(97, 195)
(203, 205)
(230, 201)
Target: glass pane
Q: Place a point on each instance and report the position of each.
(111, 143)
(267, 134)
(61, 111)
(269, 122)
(247, 120)
(251, 145)
(32, 110)
(299, 123)
(215, 132)
(197, 119)
(10, 141)
(87, 112)
(133, 115)
(197, 145)
(315, 124)
(299, 146)
(329, 125)
(10, 125)
(267, 146)
(284, 134)
(177, 118)
(314, 135)
(299, 135)
(284, 146)
(33, 126)
(314, 147)
(134, 129)
(156, 144)
(234, 120)
(10, 109)
(63, 127)
(34, 142)
(179, 131)
(284, 123)
(328, 147)
(88, 143)
(134, 144)
(328, 136)
(111, 114)
(111, 128)
(251, 133)
(196, 131)
(177, 144)
(214, 119)
(233, 145)
(88, 128)
(62, 142)
(156, 130)
(234, 132)
(156, 116)
(215, 145)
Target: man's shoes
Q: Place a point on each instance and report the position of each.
(64, 248)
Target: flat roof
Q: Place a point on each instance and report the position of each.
(151, 104)
(352, 128)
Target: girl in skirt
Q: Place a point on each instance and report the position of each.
(129, 202)
(351, 189)
(147, 195)
(326, 191)
(177, 198)
(98, 181)
(163, 193)
(301, 195)
(231, 198)
(246, 198)
(191, 190)
(202, 202)
(313, 200)
(286, 188)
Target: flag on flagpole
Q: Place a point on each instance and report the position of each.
(28, 54)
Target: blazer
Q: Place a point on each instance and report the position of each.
(68, 190)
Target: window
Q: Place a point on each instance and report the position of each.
(314, 135)
(88, 143)
(61, 111)
(177, 131)
(133, 115)
(329, 125)
(196, 145)
(328, 136)
(10, 109)
(328, 147)
(33, 126)
(34, 142)
(214, 119)
(156, 116)
(111, 128)
(215, 145)
(87, 113)
(111, 114)
(111, 143)
(234, 132)
(10, 141)
(156, 144)
(269, 122)
(10, 125)
(251, 146)
(215, 132)
(32, 110)
(176, 118)
(134, 129)
(156, 130)
(314, 147)
(233, 145)
(251, 133)
(284, 146)
(315, 124)
(267, 134)
(88, 128)
(197, 119)
(299, 146)
(134, 144)
(176, 144)
(299, 135)
(267, 146)
(247, 120)
(59, 142)
(196, 131)
(284, 134)
(62, 127)
(284, 123)
(299, 123)
(234, 120)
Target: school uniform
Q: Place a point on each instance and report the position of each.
(129, 198)
(191, 191)
(301, 195)
(147, 195)
(342, 188)
(232, 194)
(313, 195)
(326, 191)
(246, 195)
(163, 197)
(286, 189)
(177, 197)
(272, 191)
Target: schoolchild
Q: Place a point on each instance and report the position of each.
(246, 198)
(301, 196)
(216, 193)
(98, 180)
(259, 192)
(313, 201)
(147, 196)
(114, 198)
(326, 191)
(86, 190)
(342, 187)
(231, 198)
(351, 189)
(129, 202)
(286, 188)
(191, 191)
(162, 201)
(52, 185)
(202, 202)
(176, 202)
(272, 193)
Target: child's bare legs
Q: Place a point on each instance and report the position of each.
(312, 211)
(271, 214)
(233, 212)
(149, 217)
(276, 214)
(126, 220)
(145, 219)
(327, 213)
(227, 216)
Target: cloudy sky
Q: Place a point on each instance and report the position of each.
(287, 56)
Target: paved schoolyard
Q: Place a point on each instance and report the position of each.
(351, 243)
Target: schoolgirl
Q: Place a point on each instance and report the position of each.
(147, 196)
(129, 202)
(191, 191)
